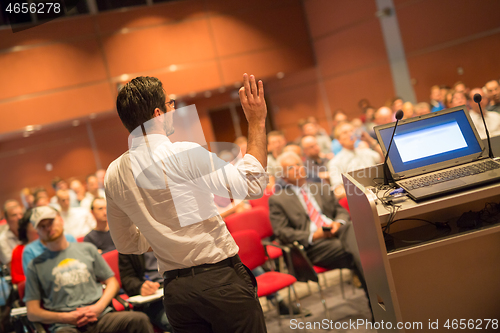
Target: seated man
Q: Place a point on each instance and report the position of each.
(300, 211)
(316, 164)
(78, 220)
(351, 158)
(65, 277)
(100, 236)
(139, 275)
(9, 237)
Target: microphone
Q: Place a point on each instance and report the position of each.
(477, 99)
(387, 172)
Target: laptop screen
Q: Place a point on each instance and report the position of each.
(420, 142)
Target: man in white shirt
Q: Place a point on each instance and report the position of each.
(160, 197)
(12, 212)
(351, 158)
(491, 118)
(78, 221)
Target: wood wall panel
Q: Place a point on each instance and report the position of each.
(224, 6)
(427, 23)
(351, 49)
(374, 83)
(56, 107)
(191, 78)
(328, 16)
(70, 28)
(266, 63)
(158, 47)
(50, 67)
(145, 17)
(255, 30)
(478, 67)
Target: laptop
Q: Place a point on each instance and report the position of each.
(437, 154)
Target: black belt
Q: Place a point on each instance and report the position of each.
(201, 268)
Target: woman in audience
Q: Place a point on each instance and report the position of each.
(27, 234)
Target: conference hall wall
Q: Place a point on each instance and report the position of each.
(69, 70)
(445, 41)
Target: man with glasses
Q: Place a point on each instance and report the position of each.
(160, 197)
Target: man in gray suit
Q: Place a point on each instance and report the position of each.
(310, 214)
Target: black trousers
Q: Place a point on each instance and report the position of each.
(340, 251)
(221, 300)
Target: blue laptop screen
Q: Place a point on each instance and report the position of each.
(430, 140)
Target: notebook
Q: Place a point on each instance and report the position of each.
(437, 154)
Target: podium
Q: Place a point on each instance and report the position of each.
(428, 275)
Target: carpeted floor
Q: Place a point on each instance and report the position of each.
(345, 315)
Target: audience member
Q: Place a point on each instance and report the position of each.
(100, 236)
(9, 238)
(324, 141)
(351, 158)
(295, 148)
(241, 142)
(60, 184)
(408, 110)
(493, 93)
(93, 191)
(382, 116)
(491, 118)
(100, 174)
(315, 164)
(396, 104)
(275, 144)
(27, 198)
(139, 275)
(67, 278)
(337, 118)
(27, 234)
(321, 130)
(41, 197)
(78, 220)
(35, 248)
(460, 86)
(76, 186)
(437, 99)
(299, 212)
(422, 108)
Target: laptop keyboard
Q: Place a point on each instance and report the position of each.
(450, 175)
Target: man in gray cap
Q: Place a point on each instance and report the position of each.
(65, 277)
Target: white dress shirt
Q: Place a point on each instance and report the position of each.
(160, 194)
(349, 160)
(8, 241)
(492, 120)
(78, 221)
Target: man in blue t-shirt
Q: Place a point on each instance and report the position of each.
(67, 278)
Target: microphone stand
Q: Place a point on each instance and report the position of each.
(477, 99)
(387, 173)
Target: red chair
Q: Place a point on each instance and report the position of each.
(252, 255)
(262, 202)
(343, 202)
(255, 219)
(80, 239)
(119, 302)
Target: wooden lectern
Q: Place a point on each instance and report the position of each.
(427, 274)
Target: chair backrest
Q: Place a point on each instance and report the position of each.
(111, 258)
(20, 289)
(256, 219)
(299, 264)
(262, 202)
(251, 250)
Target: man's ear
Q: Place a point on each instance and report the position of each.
(157, 112)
